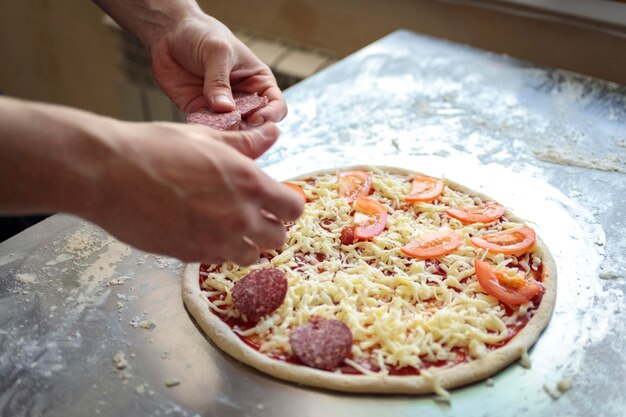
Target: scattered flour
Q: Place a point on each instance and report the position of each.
(562, 386)
(26, 278)
(608, 275)
(172, 382)
(104, 267)
(142, 389)
(60, 258)
(82, 243)
(143, 321)
(148, 324)
(119, 359)
(118, 281)
(574, 157)
(552, 392)
(121, 366)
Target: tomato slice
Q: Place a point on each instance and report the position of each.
(477, 214)
(424, 189)
(432, 245)
(353, 184)
(370, 218)
(296, 188)
(512, 291)
(511, 242)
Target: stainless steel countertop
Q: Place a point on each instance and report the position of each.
(549, 144)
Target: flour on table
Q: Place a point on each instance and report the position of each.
(172, 382)
(118, 281)
(574, 157)
(59, 259)
(83, 242)
(26, 278)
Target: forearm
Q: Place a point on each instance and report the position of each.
(51, 158)
(149, 20)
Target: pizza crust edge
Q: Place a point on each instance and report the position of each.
(476, 370)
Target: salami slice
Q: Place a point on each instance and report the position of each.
(321, 343)
(245, 104)
(259, 293)
(248, 103)
(219, 121)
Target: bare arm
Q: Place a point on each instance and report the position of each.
(149, 20)
(50, 156)
(185, 191)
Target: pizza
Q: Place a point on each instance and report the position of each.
(391, 281)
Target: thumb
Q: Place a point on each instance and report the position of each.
(217, 84)
(252, 143)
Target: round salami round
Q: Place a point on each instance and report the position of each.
(259, 293)
(321, 343)
(219, 121)
(248, 103)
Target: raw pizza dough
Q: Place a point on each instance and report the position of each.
(432, 380)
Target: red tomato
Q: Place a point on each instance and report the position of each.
(347, 235)
(353, 184)
(432, 245)
(511, 291)
(511, 242)
(370, 218)
(424, 189)
(477, 214)
(296, 188)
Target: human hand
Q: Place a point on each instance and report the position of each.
(191, 192)
(199, 62)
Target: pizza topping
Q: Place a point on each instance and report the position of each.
(297, 189)
(514, 241)
(424, 189)
(219, 121)
(370, 218)
(477, 214)
(321, 343)
(511, 290)
(247, 103)
(353, 184)
(405, 315)
(259, 293)
(347, 235)
(433, 244)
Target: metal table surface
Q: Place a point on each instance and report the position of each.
(549, 144)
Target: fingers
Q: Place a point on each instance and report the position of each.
(252, 143)
(274, 111)
(260, 233)
(242, 251)
(266, 233)
(217, 68)
(281, 201)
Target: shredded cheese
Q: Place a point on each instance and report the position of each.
(524, 359)
(402, 312)
(443, 395)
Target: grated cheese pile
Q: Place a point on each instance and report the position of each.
(402, 312)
